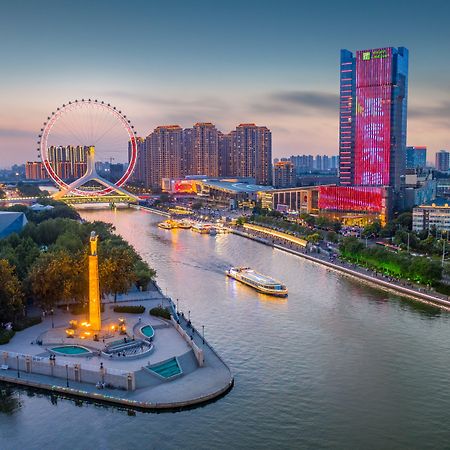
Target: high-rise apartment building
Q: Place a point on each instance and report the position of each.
(372, 129)
(35, 170)
(284, 175)
(225, 154)
(416, 157)
(206, 150)
(442, 160)
(163, 155)
(252, 152)
(140, 169)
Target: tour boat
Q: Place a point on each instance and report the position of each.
(185, 224)
(168, 225)
(202, 228)
(261, 283)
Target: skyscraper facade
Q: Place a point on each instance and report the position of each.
(372, 128)
(252, 153)
(225, 154)
(416, 157)
(206, 150)
(163, 154)
(284, 174)
(442, 161)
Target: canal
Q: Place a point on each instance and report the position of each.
(335, 365)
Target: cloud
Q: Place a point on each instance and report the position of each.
(203, 103)
(17, 133)
(439, 112)
(298, 102)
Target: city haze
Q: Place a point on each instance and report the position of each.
(272, 63)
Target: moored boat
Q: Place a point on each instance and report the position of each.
(256, 280)
(168, 224)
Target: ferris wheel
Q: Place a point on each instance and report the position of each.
(79, 142)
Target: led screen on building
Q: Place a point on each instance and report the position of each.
(351, 198)
(373, 117)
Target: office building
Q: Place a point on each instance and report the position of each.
(372, 128)
(139, 173)
(252, 153)
(442, 161)
(416, 157)
(163, 156)
(284, 175)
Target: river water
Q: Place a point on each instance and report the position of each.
(335, 365)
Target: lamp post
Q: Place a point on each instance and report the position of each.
(51, 313)
(189, 316)
(67, 375)
(203, 334)
(18, 369)
(177, 307)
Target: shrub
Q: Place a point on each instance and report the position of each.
(26, 322)
(159, 311)
(443, 288)
(131, 309)
(6, 335)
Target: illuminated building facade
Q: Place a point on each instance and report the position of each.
(252, 153)
(163, 158)
(372, 128)
(225, 154)
(284, 174)
(35, 170)
(205, 150)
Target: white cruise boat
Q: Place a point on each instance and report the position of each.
(261, 283)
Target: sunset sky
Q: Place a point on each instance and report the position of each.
(274, 63)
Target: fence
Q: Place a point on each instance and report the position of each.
(72, 372)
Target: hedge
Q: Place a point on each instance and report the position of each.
(26, 322)
(6, 335)
(131, 309)
(159, 311)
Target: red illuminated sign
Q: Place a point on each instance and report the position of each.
(373, 117)
(351, 198)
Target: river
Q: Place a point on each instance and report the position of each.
(335, 365)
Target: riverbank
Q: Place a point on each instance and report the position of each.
(352, 271)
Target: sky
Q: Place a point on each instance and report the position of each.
(274, 63)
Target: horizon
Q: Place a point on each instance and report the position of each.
(179, 69)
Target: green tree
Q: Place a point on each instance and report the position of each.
(144, 275)
(57, 276)
(11, 294)
(117, 271)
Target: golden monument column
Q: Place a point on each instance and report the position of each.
(94, 286)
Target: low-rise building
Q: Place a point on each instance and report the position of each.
(432, 214)
(11, 222)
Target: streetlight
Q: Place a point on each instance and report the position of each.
(18, 369)
(189, 316)
(177, 307)
(203, 334)
(51, 313)
(67, 375)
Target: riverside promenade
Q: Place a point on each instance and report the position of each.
(410, 291)
(126, 380)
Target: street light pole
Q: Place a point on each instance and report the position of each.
(67, 375)
(18, 369)
(51, 312)
(443, 253)
(203, 334)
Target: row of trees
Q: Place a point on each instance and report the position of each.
(401, 265)
(47, 263)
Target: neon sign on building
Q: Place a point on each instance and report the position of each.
(373, 117)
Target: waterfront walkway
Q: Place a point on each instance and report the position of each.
(402, 288)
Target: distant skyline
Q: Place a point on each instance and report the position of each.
(271, 63)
